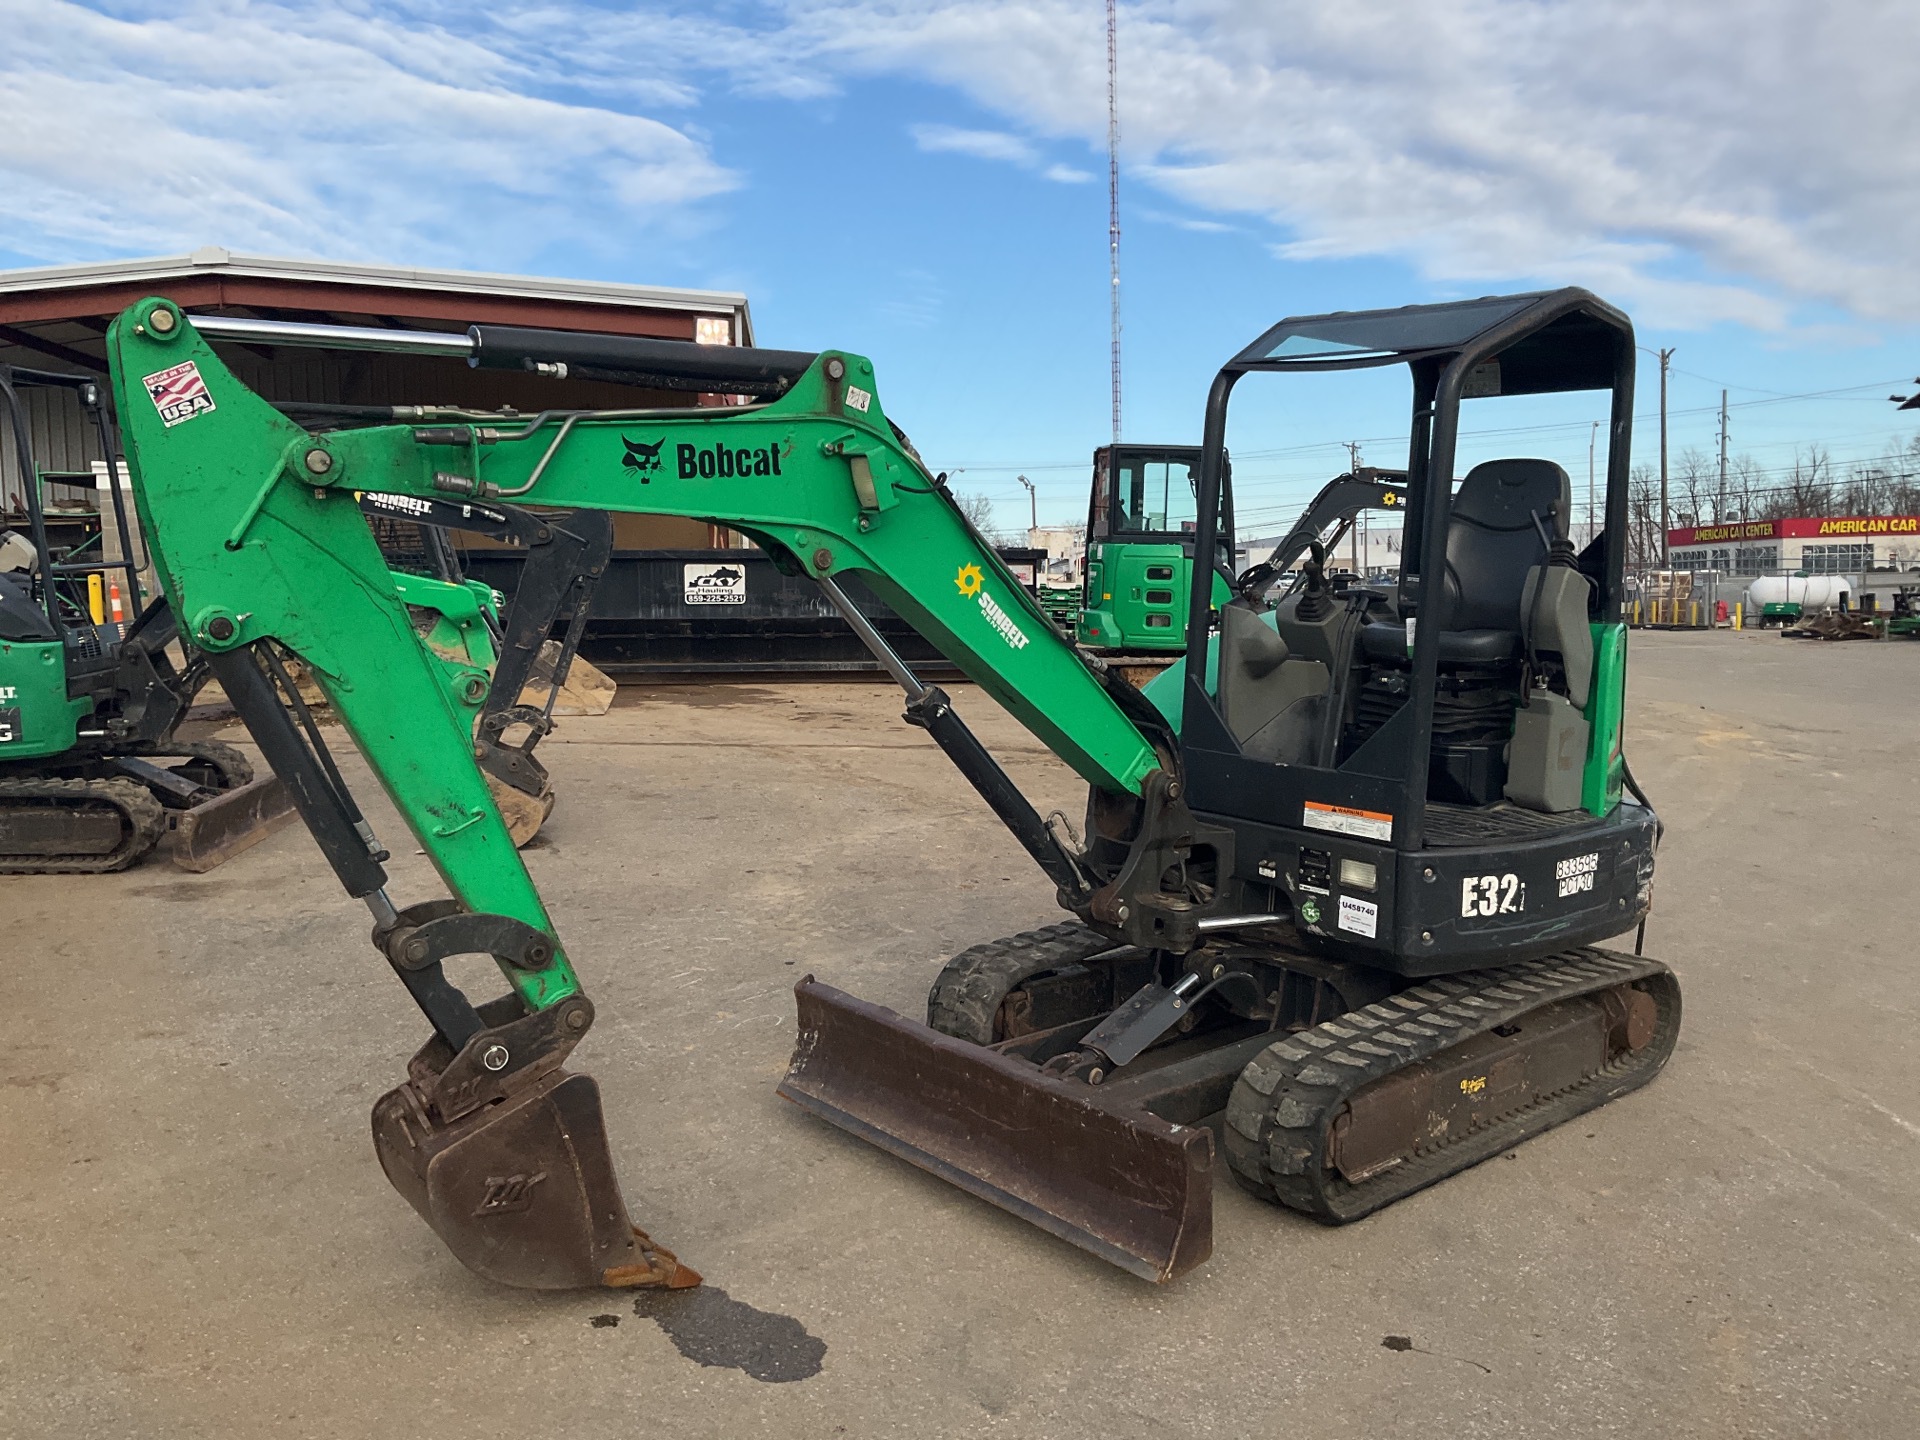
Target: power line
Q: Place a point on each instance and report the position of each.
(1696, 375)
(1543, 428)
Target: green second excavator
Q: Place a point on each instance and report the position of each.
(1343, 870)
(93, 772)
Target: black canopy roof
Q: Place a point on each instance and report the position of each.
(1547, 340)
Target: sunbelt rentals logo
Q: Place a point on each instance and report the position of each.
(972, 583)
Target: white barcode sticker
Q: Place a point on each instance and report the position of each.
(1362, 917)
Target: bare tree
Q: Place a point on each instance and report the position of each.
(1746, 485)
(1866, 489)
(1899, 472)
(979, 512)
(1809, 489)
(1643, 517)
(1697, 477)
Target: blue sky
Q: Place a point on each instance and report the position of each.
(923, 181)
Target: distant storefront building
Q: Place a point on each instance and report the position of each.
(1838, 545)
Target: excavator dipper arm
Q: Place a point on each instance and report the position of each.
(263, 550)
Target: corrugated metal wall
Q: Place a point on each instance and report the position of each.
(63, 443)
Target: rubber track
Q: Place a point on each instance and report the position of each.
(965, 999)
(234, 767)
(1286, 1100)
(145, 820)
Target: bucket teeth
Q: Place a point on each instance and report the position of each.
(658, 1266)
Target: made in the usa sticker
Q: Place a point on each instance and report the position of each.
(179, 393)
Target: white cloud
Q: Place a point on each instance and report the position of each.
(914, 300)
(1186, 222)
(980, 144)
(1698, 162)
(329, 130)
(993, 145)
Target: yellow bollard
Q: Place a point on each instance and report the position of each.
(1739, 614)
(96, 601)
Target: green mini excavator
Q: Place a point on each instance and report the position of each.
(93, 771)
(1343, 872)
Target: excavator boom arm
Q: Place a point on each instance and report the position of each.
(255, 526)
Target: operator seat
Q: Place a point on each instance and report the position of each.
(1492, 542)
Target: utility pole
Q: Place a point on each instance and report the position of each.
(1666, 356)
(1721, 504)
(1353, 468)
(1113, 196)
(1593, 439)
(1033, 500)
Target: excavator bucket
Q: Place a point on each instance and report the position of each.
(514, 1172)
(213, 833)
(1119, 1182)
(523, 814)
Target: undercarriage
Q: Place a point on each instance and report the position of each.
(1337, 1089)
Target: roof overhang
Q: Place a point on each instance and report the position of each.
(58, 312)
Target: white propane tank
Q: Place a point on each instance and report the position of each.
(1812, 593)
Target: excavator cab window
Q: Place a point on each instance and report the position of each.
(1157, 495)
(1151, 492)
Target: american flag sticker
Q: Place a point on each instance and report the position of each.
(179, 393)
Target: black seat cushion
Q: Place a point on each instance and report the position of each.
(1387, 643)
(1492, 540)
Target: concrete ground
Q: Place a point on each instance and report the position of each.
(199, 1243)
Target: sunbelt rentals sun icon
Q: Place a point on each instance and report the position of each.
(969, 580)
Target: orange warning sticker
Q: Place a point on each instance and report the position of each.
(1365, 824)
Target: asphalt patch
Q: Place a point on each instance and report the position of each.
(710, 1327)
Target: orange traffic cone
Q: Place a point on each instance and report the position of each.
(115, 609)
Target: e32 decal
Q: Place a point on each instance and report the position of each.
(1482, 895)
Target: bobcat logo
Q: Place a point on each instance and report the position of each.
(643, 460)
(507, 1194)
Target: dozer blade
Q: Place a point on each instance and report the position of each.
(513, 1171)
(213, 833)
(1124, 1184)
